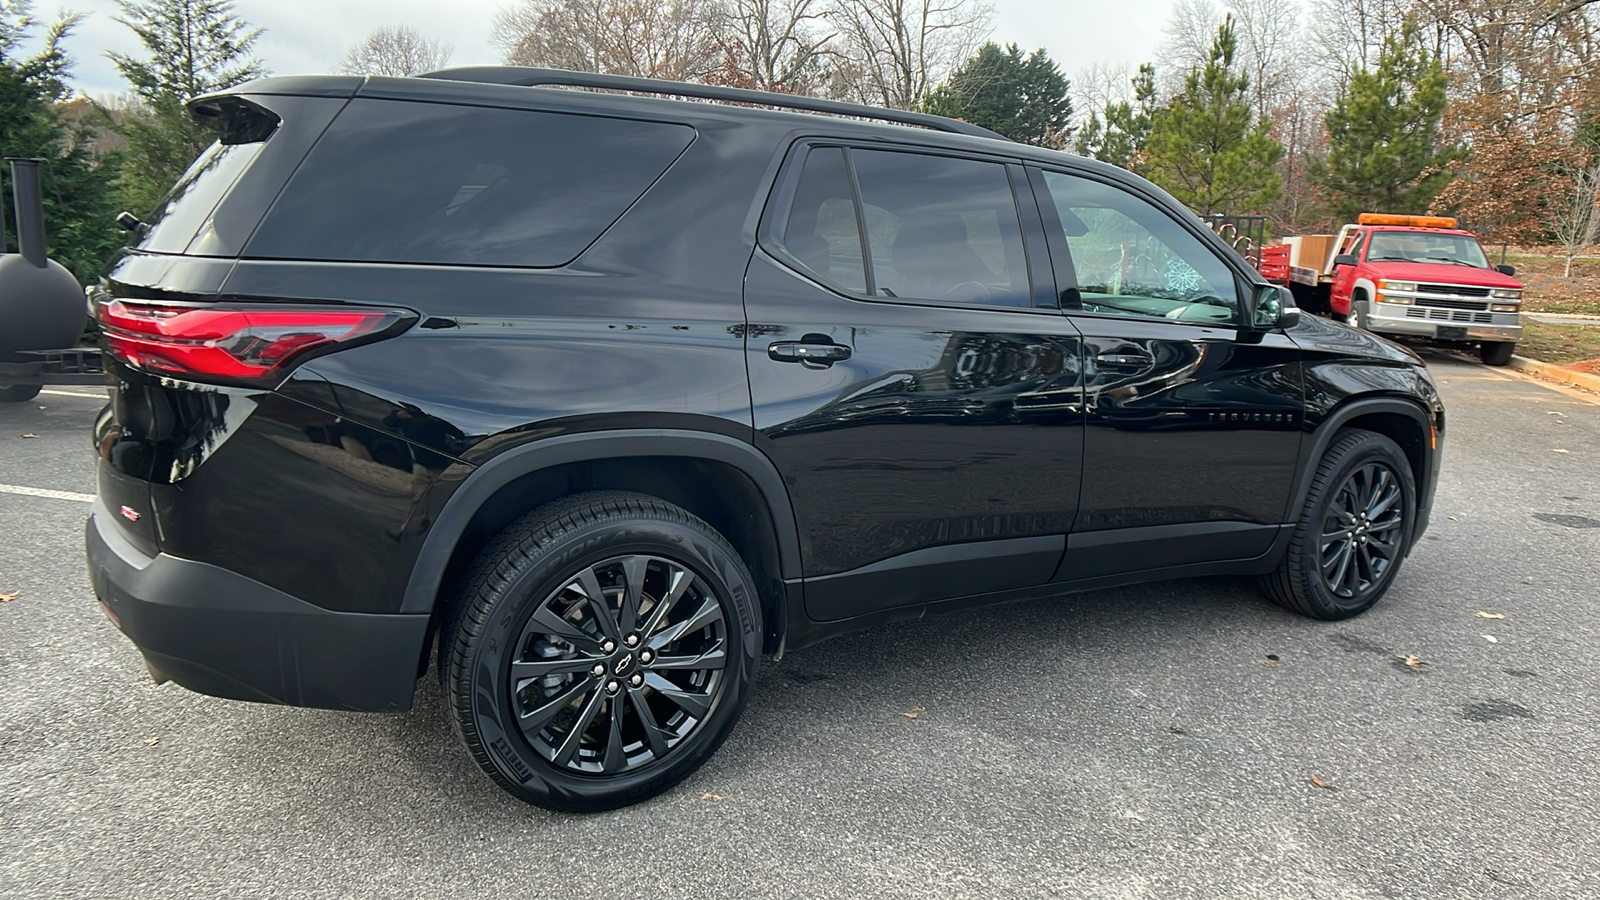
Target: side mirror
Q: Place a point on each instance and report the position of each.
(1506, 270)
(1345, 259)
(1274, 307)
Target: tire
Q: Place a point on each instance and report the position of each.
(1359, 514)
(1355, 318)
(18, 393)
(1496, 353)
(669, 689)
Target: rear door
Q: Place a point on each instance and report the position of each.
(921, 396)
(1192, 435)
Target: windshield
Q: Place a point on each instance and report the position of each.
(1426, 247)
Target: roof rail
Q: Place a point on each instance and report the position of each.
(530, 77)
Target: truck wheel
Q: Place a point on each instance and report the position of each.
(1353, 531)
(601, 650)
(1355, 318)
(1496, 353)
(18, 393)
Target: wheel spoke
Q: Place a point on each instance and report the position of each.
(569, 744)
(654, 735)
(534, 668)
(1342, 559)
(696, 705)
(550, 623)
(1385, 525)
(709, 611)
(682, 579)
(589, 585)
(615, 759)
(535, 719)
(714, 658)
(634, 570)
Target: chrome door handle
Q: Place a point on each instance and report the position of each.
(1125, 361)
(812, 356)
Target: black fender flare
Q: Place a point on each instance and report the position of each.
(1336, 419)
(427, 573)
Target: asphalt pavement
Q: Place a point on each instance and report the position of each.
(1172, 740)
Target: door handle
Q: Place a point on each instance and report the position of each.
(812, 356)
(1125, 361)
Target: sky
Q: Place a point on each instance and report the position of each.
(312, 36)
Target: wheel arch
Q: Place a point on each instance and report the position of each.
(1404, 421)
(726, 482)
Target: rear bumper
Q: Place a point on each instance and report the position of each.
(216, 632)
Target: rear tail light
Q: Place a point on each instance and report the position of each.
(254, 345)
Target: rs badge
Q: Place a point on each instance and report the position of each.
(129, 513)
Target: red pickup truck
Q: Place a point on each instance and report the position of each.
(1418, 276)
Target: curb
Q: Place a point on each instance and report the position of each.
(1556, 373)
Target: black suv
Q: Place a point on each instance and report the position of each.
(608, 396)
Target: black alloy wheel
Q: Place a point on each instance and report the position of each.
(1361, 530)
(619, 665)
(1354, 529)
(601, 649)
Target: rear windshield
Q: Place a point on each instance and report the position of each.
(403, 182)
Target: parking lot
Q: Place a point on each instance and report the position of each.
(1184, 739)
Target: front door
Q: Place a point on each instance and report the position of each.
(922, 400)
(1193, 423)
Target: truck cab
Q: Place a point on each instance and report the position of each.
(1422, 277)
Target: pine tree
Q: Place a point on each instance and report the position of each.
(78, 201)
(1207, 148)
(195, 47)
(1024, 98)
(1384, 146)
(1119, 137)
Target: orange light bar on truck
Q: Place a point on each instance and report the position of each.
(1406, 221)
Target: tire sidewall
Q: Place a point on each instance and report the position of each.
(1373, 448)
(484, 670)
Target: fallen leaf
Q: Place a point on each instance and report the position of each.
(1551, 412)
(1558, 450)
(915, 711)
(1412, 660)
(1491, 639)
(1452, 518)
(1270, 664)
(711, 797)
(1489, 615)
(1322, 784)
(7, 598)
(32, 435)
(151, 741)
(1584, 628)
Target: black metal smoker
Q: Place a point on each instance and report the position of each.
(41, 305)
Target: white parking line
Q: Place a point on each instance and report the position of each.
(73, 394)
(41, 492)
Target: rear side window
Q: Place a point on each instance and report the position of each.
(174, 222)
(402, 182)
(822, 233)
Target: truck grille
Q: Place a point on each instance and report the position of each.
(1449, 304)
(1458, 290)
(1447, 315)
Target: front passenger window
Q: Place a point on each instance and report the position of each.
(1133, 259)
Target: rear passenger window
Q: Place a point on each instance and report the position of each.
(942, 228)
(821, 234)
(403, 182)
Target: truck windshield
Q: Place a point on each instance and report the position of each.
(1426, 247)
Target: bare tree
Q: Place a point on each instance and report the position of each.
(679, 40)
(398, 50)
(894, 51)
(777, 45)
(1187, 42)
(1573, 223)
(1099, 85)
(1346, 34)
(1269, 42)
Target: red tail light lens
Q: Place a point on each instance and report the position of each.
(249, 346)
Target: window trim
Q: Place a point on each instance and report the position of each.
(1066, 272)
(775, 216)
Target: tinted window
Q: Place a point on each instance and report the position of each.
(197, 193)
(416, 182)
(942, 228)
(1132, 258)
(821, 234)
